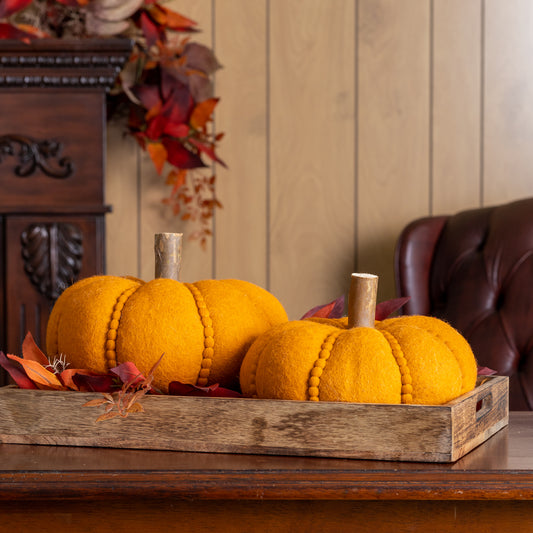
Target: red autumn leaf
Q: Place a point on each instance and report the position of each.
(334, 309)
(69, 379)
(208, 150)
(30, 351)
(151, 31)
(16, 372)
(176, 388)
(386, 308)
(179, 156)
(158, 154)
(156, 127)
(179, 104)
(148, 95)
(128, 373)
(176, 130)
(92, 382)
(203, 112)
(8, 7)
(44, 379)
(485, 371)
(7, 31)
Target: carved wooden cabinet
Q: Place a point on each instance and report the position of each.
(52, 157)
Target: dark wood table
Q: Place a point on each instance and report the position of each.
(49, 488)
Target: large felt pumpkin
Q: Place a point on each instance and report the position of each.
(202, 328)
(409, 359)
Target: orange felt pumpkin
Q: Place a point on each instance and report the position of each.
(202, 328)
(410, 359)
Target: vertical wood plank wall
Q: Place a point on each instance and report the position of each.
(344, 120)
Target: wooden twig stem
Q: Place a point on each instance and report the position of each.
(362, 300)
(167, 248)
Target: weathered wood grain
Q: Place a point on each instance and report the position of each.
(234, 425)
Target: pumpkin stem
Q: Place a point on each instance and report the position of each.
(362, 301)
(167, 248)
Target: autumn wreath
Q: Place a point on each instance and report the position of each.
(165, 91)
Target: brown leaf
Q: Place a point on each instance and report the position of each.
(95, 403)
(136, 408)
(107, 416)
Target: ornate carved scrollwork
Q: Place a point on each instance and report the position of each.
(34, 154)
(52, 256)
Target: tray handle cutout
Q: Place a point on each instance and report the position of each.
(484, 405)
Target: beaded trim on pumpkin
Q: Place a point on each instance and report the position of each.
(407, 387)
(112, 330)
(314, 379)
(209, 341)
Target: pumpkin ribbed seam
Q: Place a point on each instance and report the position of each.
(401, 361)
(443, 340)
(313, 388)
(253, 375)
(209, 341)
(112, 330)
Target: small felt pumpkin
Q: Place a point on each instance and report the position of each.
(202, 328)
(409, 359)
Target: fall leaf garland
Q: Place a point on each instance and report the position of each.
(165, 91)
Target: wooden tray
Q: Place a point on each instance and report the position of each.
(441, 433)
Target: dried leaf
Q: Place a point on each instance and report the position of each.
(152, 32)
(107, 416)
(334, 309)
(179, 156)
(176, 388)
(136, 408)
(200, 57)
(92, 382)
(30, 351)
(171, 19)
(176, 130)
(156, 127)
(8, 7)
(207, 150)
(202, 113)
(38, 374)
(386, 308)
(485, 371)
(95, 403)
(16, 372)
(128, 373)
(158, 154)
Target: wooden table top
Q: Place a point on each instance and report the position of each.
(501, 468)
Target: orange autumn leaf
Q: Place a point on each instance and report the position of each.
(158, 154)
(202, 112)
(31, 352)
(177, 179)
(44, 379)
(171, 19)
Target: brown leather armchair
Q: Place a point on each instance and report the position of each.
(474, 269)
